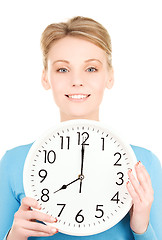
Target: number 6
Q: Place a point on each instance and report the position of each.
(79, 216)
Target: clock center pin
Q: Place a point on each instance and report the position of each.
(81, 177)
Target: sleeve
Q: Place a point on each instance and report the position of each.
(156, 210)
(8, 203)
(148, 235)
(154, 230)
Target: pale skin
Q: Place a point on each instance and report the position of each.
(78, 75)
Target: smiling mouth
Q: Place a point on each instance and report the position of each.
(77, 96)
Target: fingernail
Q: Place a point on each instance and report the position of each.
(138, 163)
(130, 170)
(53, 219)
(128, 182)
(54, 230)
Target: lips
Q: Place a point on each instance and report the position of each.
(77, 96)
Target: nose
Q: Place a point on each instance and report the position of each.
(77, 85)
(77, 80)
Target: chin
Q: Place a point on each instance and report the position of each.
(79, 115)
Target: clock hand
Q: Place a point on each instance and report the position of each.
(80, 189)
(82, 160)
(65, 186)
(82, 157)
(80, 177)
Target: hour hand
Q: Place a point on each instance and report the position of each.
(65, 186)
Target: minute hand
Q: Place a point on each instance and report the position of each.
(82, 161)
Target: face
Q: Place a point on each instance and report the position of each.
(78, 74)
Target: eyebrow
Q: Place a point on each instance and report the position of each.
(93, 59)
(60, 61)
(88, 60)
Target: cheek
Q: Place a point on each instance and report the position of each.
(57, 91)
(57, 85)
(98, 85)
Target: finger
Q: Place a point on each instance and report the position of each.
(28, 203)
(32, 233)
(136, 186)
(133, 194)
(36, 215)
(40, 227)
(143, 176)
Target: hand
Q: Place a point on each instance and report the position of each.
(24, 224)
(82, 161)
(65, 186)
(142, 194)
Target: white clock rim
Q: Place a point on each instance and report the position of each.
(73, 123)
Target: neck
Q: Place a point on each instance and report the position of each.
(65, 117)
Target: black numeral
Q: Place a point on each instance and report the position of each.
(79, 217)
(100, 211)
(115, 197)
(85, 137)
(45, 196)
(121, 178)
(62, 142)
(49, 156)
(43, 174)
(63, 205)
(119, 157)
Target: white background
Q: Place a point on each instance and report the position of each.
(133, 106)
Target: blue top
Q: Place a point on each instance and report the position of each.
(12, 193)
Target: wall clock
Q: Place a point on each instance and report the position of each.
(78, 171)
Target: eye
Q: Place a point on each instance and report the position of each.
(62, 70)
(91, 69)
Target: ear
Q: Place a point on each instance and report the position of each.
(44, 80)
(110, 81)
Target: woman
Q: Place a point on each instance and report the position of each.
(78, 68)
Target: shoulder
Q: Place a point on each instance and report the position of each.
(15, 156)
(148, 159)
(23, 149)
(11, 171)
(144, 155)
(141, 153)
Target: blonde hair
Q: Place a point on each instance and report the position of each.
(82, 27)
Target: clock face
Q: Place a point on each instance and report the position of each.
(78, 173)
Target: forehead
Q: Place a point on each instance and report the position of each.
(74, 48)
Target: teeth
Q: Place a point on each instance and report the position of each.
(77, 96)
